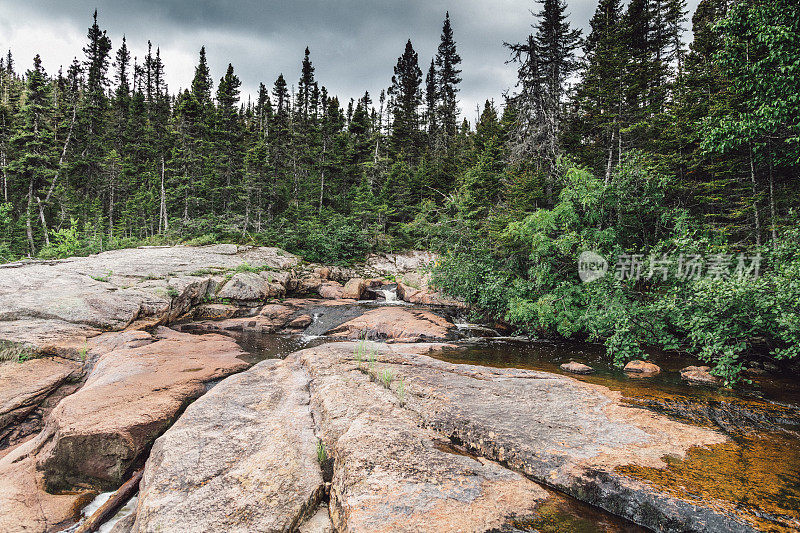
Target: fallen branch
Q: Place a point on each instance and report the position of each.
(117, 500)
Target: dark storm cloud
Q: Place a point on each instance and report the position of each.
(354, 44)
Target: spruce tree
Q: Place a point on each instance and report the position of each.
(546, 61)
(431, 104)
(448, 78)
(32, 163)
(406, 99)
(305, 86)
(93, 113)
(228, 134)
(594, 131)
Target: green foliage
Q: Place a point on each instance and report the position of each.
(531, 279)
(245, 267)
(386, 377)
(6, 236)
(64, 243)
(104, 278)
(83, 352)
(335, 241)
(401, 390)
(15, 352)
(322, 452)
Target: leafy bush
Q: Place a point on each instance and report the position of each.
(331, 240)
(530, 279)
(64, 243)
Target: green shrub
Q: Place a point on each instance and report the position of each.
(527, 275)
(64, 243)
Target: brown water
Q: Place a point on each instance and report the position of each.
(562, 514)
(755, 474)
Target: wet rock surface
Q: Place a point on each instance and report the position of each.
(699, 374)
(573, 367)
(396, 324)
(568, 434)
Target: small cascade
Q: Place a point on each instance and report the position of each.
(387, 295)
(94, 505)
(390, 295)
(314, 326)
(325, 318)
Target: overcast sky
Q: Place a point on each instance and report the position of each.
(354, 43)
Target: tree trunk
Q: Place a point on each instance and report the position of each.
(111, 213)
(44, 222)
(322, 177)
(610, 156)
(63, 156)
(246, 212)
(5, 176)
(772, 213)
(28, 224)
(163, 208)
(117, 500)
(756, 219)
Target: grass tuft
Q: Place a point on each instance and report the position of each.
(322, 452)
(12, 351)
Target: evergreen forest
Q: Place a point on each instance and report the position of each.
(666, 142)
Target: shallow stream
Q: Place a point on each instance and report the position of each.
(755, 474)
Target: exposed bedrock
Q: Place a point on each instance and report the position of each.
(93, 438)
(392, 419)
(245, 458)
(240, 459)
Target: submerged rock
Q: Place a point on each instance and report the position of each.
(645, 368)
(576, 368)
(397, 324)
(699, 374)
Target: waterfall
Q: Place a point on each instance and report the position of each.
(390, 295)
